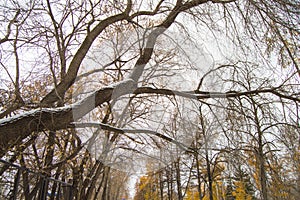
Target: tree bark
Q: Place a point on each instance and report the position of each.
(178, 180)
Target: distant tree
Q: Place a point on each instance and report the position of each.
(229, 189)
(243, 188)
(147, 188)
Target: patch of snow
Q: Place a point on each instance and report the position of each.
(33, 113)
(120, 88)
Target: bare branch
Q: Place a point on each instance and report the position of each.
(133, 131)
(11, 22)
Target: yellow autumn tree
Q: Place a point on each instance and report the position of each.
(240, 192)
(191, 194)
(218, 191)
(147, 188)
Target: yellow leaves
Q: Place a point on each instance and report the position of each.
(192, 194)
(279, 190)
(218, 191)
(240, 191)
(143, 182)
(36, 89)
(270, 45)
(147, 189)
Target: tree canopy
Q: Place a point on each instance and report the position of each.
(206, 89)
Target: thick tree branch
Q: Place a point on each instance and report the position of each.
(21, 126)
(206, 94)
(74, 66)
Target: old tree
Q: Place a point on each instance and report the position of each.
(200, 96)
